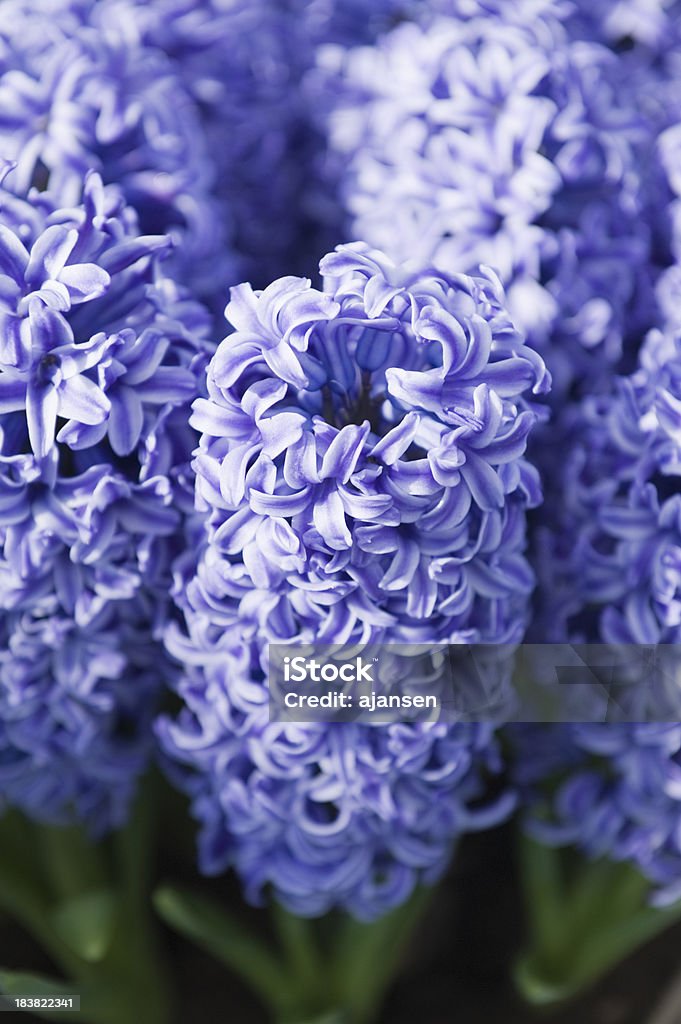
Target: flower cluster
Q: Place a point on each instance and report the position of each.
(362, 474)
(609, 554)
(99, 358)
(350, 816)
(501, 139)
(243, 64)
(653, 24)
(368, 441)
(80, 97)
(360, 466)
(611, 551)
(76, 710)
(615, 793)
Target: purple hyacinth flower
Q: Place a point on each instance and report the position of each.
(75, 712)
(608, 555)
(89, 94)
(361, 477)
(374, 418)
(60, 286)
(496, 136)
(100, 360)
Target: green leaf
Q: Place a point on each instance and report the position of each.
(580, 929)
(86, 922)
(210, 927)
(367, 955)
(24, 983)
(544, 895)
(89, 907)
(299, 941)
(340, 984)
(71, 862)
(535, 984)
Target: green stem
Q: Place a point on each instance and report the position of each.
(212, 929)
(300, 946)
(25, 893)
(134, 974)
(580, 927)
(310, 981)
(367, 957)
(72, 864)
(88, 906)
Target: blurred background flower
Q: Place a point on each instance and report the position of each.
(500, 138)
(100, 357)
(80, 97)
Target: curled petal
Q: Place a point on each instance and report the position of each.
(125, 420)
(80, 399)
(42, 402)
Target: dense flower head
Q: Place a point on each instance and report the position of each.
(323, 816)
(76, 706)
(609, 568)
(362, 478)
(100, 356)
(501, 139)
(79, 96)
(243, 63)
(611, 790)
(607, 546)
(320, 816)
(364, 445)
(610, 556)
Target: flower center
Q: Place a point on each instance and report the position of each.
(49, 369)
(343, 409)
